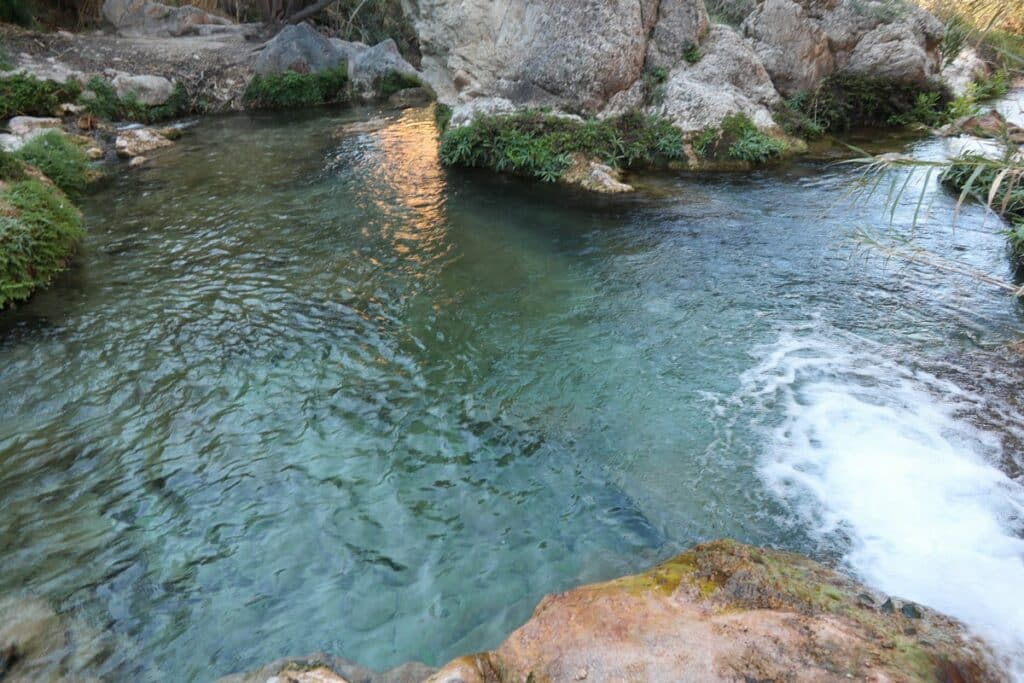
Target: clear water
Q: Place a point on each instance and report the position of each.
(306, 392)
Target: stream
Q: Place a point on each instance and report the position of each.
(305, 390)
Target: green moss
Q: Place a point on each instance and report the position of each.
(60, 159)
(24, 95)
(846, 101)
(395, 81)
(291, 89)
(538, 144)
(105, 104)
(738, 139)
(39, 229)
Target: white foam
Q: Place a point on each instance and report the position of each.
(882, 454)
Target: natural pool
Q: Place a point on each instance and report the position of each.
(307, 392)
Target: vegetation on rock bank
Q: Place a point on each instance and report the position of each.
(540, 144)
(39, 229)
(292, 89)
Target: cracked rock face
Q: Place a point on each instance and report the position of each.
(590, 57)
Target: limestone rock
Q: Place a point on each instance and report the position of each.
(728, 612)
(410, 97)
(150, 18)
(300, 48)
(594, 176)
(967, 68)
(728, 79)
(792, 47)
(325, 666)
(368, 65)
(991, 124)
(572, 54)
(680, 24)
(24, 126)
(136, 142)
(894, 51)
(151, 91)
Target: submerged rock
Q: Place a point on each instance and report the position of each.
(136, 142)
(724, 611)
(594, 176)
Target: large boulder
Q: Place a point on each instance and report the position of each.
(570, 54)
(804, 41)
(149, 18)
(967, 68)
(728, 79)
(300, 48)
(368, 66)
(728, 612)
(151, 91)
(680, 26)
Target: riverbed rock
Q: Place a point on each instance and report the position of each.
(137, 18)
(24, 126)
(325, 667)
(724, 611)
(149, 90)
(592, 175)
(300, 48)
(137, 142)
(990, 124)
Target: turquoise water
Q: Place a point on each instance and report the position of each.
(309, 391)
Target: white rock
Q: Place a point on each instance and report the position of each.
(135, 142)
(151, 91)
(23, 126)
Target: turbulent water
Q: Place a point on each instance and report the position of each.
(309, 391)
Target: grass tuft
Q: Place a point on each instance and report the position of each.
(60, 160)
(739, 139)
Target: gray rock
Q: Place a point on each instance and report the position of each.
(679, 25)
(23, 126)
(300, 48)
(151, 91)
(728, 79)
(149, 18)
(967, 68)
(368, 65)
(137, 142)
(792, 47)
(410, 97)
(894, 51)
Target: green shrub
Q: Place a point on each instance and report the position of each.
(16, 12)
(291, 89)
(395, 82)
(105, 104)
(692, 53)
(654, 85)
(24, 95)
(60, 159)
(541, 145)
(739, 139)
(792, 119)
(39, 228)
(5, 60)
(442, 116)
(845, 101)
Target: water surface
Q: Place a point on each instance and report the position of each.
(309, 391)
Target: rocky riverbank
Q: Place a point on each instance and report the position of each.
(722, 611)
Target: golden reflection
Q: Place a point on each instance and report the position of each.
(410, 167)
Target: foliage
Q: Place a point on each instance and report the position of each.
(883, 10)
(654, 85)
(737, 138)
(105, 104)
(5, 60)
(442, 116)
(39, 228)
(692, 53)
(60, 159)
(845, 101)
(25, 95)
(371, 21)
(291, 89)
(998, 183)
(792, 118)
(541, 145)
(396, 81)
(731, 12)
(16, 12)
(10, 167)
